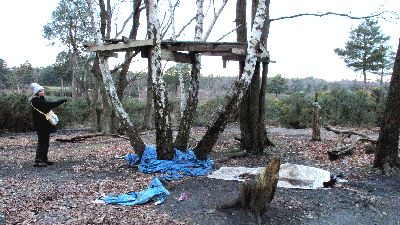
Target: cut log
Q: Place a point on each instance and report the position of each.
(257, 194)
(338, 152)
(342, 149)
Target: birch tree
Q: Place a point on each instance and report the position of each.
(225, 113)
(185, 125)
(164, 138)
(252, 109)
(135, 140)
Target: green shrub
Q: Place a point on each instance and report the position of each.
(15, 112)
(72, 113)
(135, 110)
(346, 108)
(205, 111)
(294, 111)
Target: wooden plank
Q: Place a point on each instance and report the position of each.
(195, 46)
(238, 51)
(263, 54)
(118, 47)
(243, 58)
(175, 56)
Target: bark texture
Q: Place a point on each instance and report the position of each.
(257, 194)
(182, 139)
(252, 110)
(205, 145)
(388, 142)
(162, 114)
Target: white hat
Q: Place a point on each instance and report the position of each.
(36, 87)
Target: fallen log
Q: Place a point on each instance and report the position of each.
(80, 138)
(342, 149)
(257, 194)
(346, 132)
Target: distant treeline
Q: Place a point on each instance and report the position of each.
(343, 103)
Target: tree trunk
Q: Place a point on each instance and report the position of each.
(262, 114)
(122, 81)
(257, 194)
(149, 98)
(135, 140)
(189, 113)
(316, 134)
(162, 114)
(252, 110)
(95, 118)
(205, 145)
(185, 124)
(104, 120)
(388, 141)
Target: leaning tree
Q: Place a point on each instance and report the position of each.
(387, 154)
(152, 49)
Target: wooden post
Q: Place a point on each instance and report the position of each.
(316, 135)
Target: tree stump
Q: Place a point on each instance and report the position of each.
(256, 194)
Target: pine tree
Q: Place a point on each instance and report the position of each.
(366, 50)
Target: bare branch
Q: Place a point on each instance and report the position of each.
(136, 76)
(125, 23)
(126, 60)
(184, 27)
(326, 14)
(214, 20)
(166, 30)
(172, 12)
(228, 33)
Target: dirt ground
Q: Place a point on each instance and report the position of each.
(64, 193)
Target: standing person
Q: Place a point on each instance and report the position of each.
(42, 125)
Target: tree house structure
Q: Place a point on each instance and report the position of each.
(179, 51)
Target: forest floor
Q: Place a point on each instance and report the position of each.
(64, 193)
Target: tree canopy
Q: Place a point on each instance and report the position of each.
(366, 50)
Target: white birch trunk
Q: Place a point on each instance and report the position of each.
(183, 91)
(200, 20)
(215, 20)
(172, 12)
(135, 140)
(226, 112)
(182, 138)
(162, 115)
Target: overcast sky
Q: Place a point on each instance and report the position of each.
(301, 47)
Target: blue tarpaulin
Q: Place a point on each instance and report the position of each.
(186, 163)
(154, 191)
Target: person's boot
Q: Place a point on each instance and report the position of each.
(48, 162)
(40, 164)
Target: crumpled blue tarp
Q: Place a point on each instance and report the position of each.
(154, 191)
(187, 163)
(132, 158)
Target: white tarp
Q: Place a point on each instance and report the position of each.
(290, 175)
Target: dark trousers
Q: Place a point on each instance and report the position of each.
(42, 147)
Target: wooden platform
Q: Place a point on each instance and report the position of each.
(178, 51)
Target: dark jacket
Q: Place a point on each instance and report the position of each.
(42, 125)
